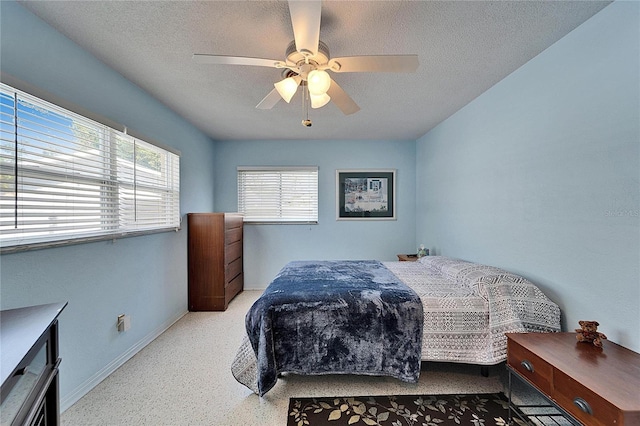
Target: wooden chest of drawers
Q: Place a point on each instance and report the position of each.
(215, 260)
(595, 386)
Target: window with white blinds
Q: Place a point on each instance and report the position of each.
(65, 177)
(278, 194)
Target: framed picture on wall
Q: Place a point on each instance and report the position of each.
(365, 194)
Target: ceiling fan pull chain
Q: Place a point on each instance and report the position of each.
(305, 105)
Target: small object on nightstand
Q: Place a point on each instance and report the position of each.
(588, 332)
(422, 251)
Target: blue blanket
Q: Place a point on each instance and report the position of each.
(336, 317)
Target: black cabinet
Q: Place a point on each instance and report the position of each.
(29, 370)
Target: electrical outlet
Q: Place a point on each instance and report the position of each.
(124, 322)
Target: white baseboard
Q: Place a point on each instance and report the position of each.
(254, 288)
(102, 374)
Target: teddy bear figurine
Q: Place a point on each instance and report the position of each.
(588, 333)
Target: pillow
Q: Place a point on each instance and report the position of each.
(474, 272)
(519, 284)
(459, 271)
(436, 263)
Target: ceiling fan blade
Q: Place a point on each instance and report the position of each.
(341, 99)
(270, 100)
(237, 60)
(305, 19)
(378, 63)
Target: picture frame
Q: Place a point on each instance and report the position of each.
(366, 194)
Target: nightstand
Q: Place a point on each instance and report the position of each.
(407, 257)
(589, 385)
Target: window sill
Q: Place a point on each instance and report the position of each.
(82, 240)
(246, 222)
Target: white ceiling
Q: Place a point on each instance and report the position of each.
(464, 48)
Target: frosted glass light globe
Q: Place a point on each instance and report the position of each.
(287, 88)
(319, 82)
(318, 101)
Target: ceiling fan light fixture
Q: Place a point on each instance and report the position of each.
(319, 82)
(287, 88)
(318, 101)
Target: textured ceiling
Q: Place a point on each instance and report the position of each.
(464, 48)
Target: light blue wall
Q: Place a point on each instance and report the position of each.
(144, 277)
(269, 247)
(541, 175)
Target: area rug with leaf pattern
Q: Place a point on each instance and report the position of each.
(400, 410)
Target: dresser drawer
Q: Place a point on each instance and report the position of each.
(530, 366)
(232, 235)
(233, 221)
(233, 269)
(232, 252)
(234, 287)
(583, 403)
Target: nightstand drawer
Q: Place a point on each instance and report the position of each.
(582, 403)
(530, 366)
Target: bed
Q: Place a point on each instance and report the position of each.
(384, 318)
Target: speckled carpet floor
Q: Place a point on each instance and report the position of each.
(184, 378)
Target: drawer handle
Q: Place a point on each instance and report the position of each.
(582, 405)
(526, 364)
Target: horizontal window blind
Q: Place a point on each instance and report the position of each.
(66, 177)
(278, 194)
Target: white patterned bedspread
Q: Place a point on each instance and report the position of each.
(468, 307)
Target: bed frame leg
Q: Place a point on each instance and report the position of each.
(484, 370)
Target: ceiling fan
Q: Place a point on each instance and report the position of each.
(307, 61)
